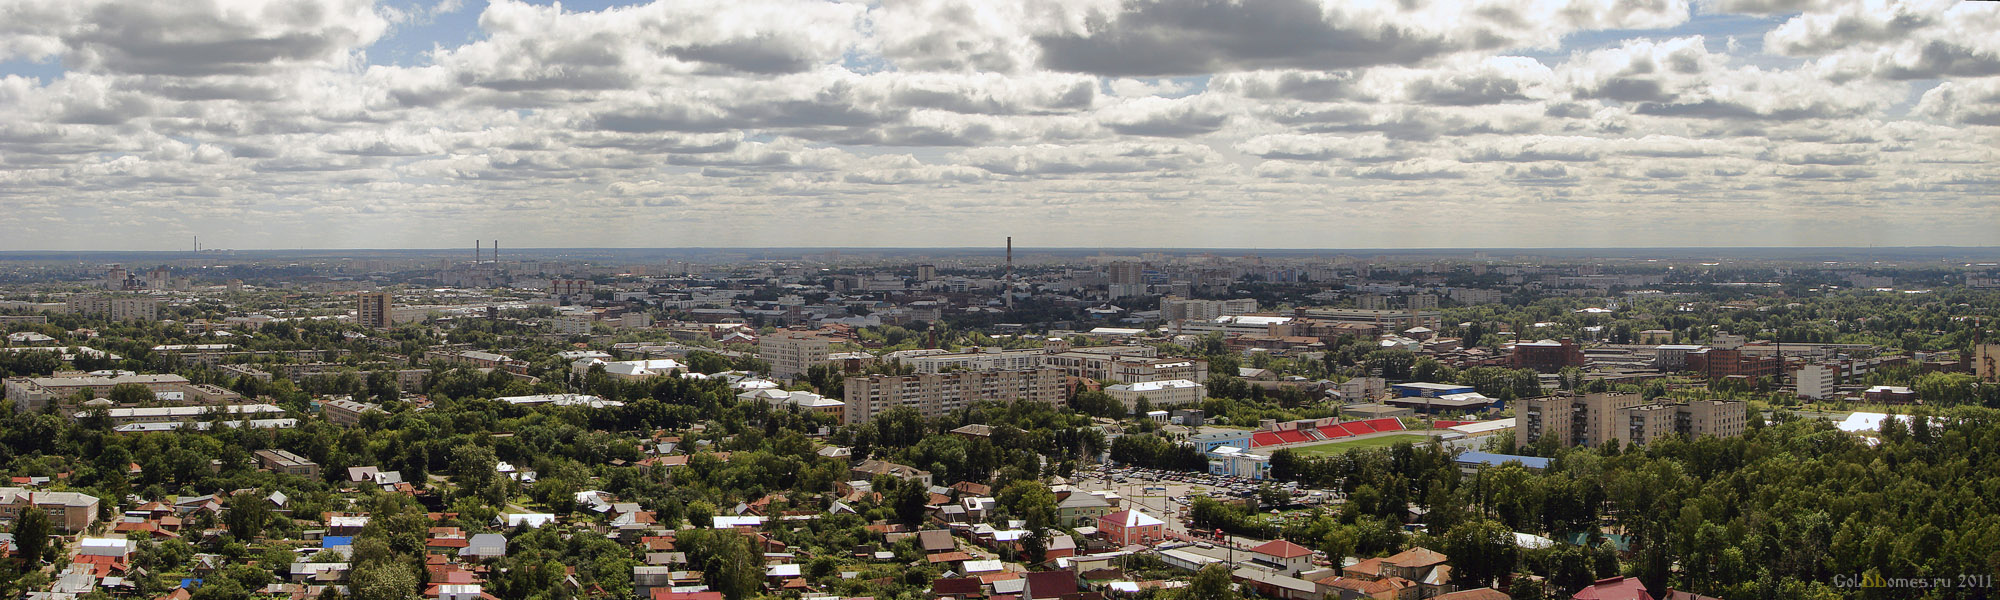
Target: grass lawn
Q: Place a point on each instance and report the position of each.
(1374, 442)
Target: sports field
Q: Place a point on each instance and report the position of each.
(1373, 442)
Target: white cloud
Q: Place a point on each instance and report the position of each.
(719, 122)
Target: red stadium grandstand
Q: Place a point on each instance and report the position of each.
(1386, 424)
(1265, 438)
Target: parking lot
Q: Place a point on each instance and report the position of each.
(1167, 494)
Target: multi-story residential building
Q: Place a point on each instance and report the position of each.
(346, 411)
(374, 309)
(934, 394)
(575, 323)
(117, 308)
(976, 359)
(791, 353)
(1475, 295)
(1124, 364)
(30, 394)
(68, 511)
(1127, 279)
(1185, 309)
(1986, 362)
(1142, 370)
(283, 461)
(1815, 381)
(1383, 319)
(1591, 419)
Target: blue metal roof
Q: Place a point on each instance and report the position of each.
(1491, 459)
(336, 540)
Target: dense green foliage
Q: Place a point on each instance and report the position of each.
(1774, 514)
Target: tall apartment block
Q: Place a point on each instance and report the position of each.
(792, 352)
(372, 309)
(935, 394)
(117, 308)
(1591, 419)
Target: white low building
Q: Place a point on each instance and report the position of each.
(630, 369)
(1238, 462)
(806, 401)
(1159, 393)
(560, 400)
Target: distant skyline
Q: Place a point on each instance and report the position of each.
(276, 124)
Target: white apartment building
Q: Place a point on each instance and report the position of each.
(117, 308)
(1815, 381)
(791, 353)
(575, 323)
(934, 394)
(976, 359)
(1184, 309)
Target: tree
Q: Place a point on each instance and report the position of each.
(384, 580)
(1141, 406)
(1032, 502)
(31, 532)
(1212, 582)
(911, 502)
(727, 563)
(701, 514)
(131, 394)
(1481, 551)
(1529, 588)
(247, 515)
(221, 588)
(473, 467)
(1096, 403)
(1395, 364)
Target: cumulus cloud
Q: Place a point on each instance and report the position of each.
(862, 122)
(1975, 102)
(209, 37)
(1181, 37)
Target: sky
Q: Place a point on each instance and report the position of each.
(140, 125)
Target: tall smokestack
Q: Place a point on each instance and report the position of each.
(496, 252)
(478, 250)
(1008, 287)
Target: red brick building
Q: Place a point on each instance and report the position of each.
(1546, 356)
(1715, 363)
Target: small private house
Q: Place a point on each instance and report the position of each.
(1283, 556)
(1082, 509)
(1131, 526)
